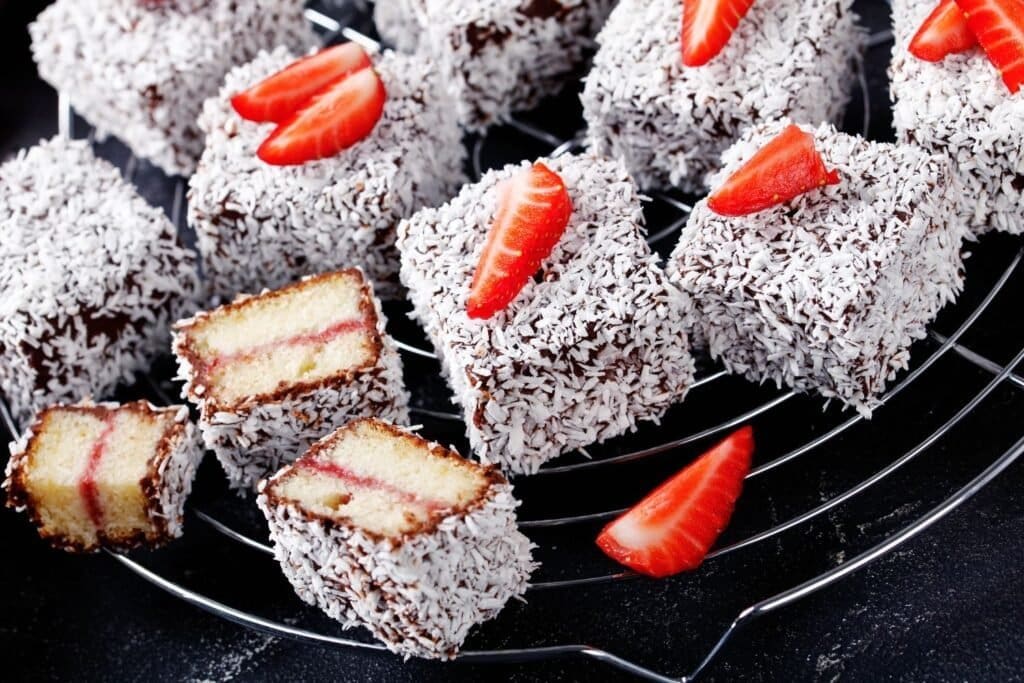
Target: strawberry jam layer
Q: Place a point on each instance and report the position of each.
(359, 481)
(307, 339)
(87, 487)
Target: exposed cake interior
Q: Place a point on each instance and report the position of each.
(380, 479)
(305, 333)
(85, 470)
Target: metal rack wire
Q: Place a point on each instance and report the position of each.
(941, 344)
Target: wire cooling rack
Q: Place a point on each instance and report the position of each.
(626, 467)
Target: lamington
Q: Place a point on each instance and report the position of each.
(670, 122)
(104, 475)
(92, 277)
(141, 70)
(959, 106)
(381, 528)
(497, 56)
(260, 225)
(273, 373)
(827, 291)
(592, 344)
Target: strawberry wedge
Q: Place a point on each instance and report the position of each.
(707, 27)
(786, 167)
(999, 27)
(284, 93)
(533, 211)
(333, 121)
(674, 527)
(943, 33)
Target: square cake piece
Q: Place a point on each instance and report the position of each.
(497, 56)
(670, 122)
(380, 528)
(96, 476)
(591, 345)
(827, 292)
(273, 373)
(265, 226)
(92, 277)
(961, 107)
(141, 70)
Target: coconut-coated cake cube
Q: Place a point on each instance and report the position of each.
(91, 275)
(826, 293)
(141, 71)
(961, 107)
(380, 528)
(104, 475)
(670, 122)
(265, 226)
(497, 56)
(593, 343)
(273, 373)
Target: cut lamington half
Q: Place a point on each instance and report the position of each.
(380, 528)
(497, 56)
(265, 226)
(960, 107)
(826, 293)
(96, 476)
(273, 373)
(670, 122)
(91, 276)
(593, 343)
(141, 70)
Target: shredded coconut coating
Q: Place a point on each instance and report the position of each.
(142, 73)
(421, 594)
(961, 107)
(173, 476)
(258, 435)
(670, 123)
(497, 56)
(265, 226)
(91, 276)
(592, 345)
(827, 292)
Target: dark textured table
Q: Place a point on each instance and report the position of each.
(946, 606)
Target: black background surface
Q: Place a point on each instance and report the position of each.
(946, 606)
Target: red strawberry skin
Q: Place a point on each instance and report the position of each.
(943, 33)
(674, 527)
(707, 27)
(333, 121)
(786, 167)
(532, 214)
(999, 27)
(285, 92)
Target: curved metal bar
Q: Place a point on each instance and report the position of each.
(661, 448)
(416, 351)
(282, 630)
(8, 420)
(672, 228)
(906, 381)
(476, 156)
(436, 414)
(880, 38)
(577, 141)
(536, 133)
(672, 201)
(843, 570)
(232, 534)
(977, 359)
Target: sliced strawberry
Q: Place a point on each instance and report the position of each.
(999, 27)
(944, 32)
(786, 167)
(672, 529)
(533, 210)
(334, 120)
(281, 95)
(707, 27)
